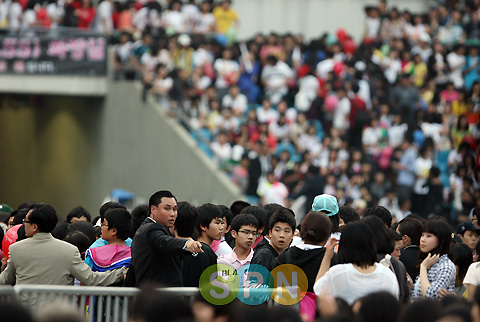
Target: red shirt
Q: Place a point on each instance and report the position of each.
(85, 17)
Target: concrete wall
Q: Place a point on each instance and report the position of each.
(73, 150)
(312, 18)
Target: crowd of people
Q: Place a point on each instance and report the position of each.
(357, 267)
(392, 120)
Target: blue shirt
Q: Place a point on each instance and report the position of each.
(406, 177)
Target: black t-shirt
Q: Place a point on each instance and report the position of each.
(409, 258)
(265, 256)
(193, 266)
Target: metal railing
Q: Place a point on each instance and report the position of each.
(109, 304)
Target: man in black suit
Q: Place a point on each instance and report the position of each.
(156, 254)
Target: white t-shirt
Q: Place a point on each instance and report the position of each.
(473, 274)
(205, 23)
(396, 134)
(104, 13)
(456, 61)
(222, 152)
(339, 117)
(267, 116)
(273, 193)
(223, 68)
(29, 18)
(238, 104)
(324, 67)
(175, 20)
(14, 15)
(371, 136)
(276, 75)
(345, 282)
(422, 169)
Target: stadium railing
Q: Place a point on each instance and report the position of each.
(113, 302)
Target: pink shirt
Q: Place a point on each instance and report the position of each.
(233, 261)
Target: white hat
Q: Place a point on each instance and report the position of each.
(184, 40)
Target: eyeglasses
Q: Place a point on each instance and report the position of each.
(247, 232)
(25, 221)
(104, 224)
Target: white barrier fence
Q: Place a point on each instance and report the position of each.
(111, 303)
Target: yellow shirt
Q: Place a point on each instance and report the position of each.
(224, 19)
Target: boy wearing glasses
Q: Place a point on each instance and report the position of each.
(244, 231)
(280, 233)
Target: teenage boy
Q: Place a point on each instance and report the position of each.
(222, 247)
(280, 233)
(209, 227)
(116, 227)
(261, 216)
(244, 232)
(468, 232)
(410, 229)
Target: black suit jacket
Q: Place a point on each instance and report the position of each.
(157, 255)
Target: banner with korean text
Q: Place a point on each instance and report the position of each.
(56, 52)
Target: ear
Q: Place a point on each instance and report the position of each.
(114, 231)
(152, 208)
(234, 234)
(260, 230)
(269, 234)
(203, 228)
(228, 229)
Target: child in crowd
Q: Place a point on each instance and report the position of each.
(468, 232)
(244, 232)
(116, 228)
(280, 233)
(209, 227)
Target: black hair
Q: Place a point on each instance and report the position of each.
(4, 217)
(61, 230)
(244, 220)
(227, 213)
(109, 205)
(462, 257)
(84, 227)
(335, 220)
(258, 213)
(78, 212)
(186, 219)
(19, 215)
(156, 198)
(379, 306)
(139, 214)
(440, 228)
(121, 220)
(80, 240)
(422, 310)
(380, 212)
(95, 220)
(45, 217)
(151, 303)
(356, 245)
(237, 206)
(316, 227)
(206, 213)
(411, 227)
(270, 209)
(283, 216)
(13, 311)
(28, 205)
(348, 214)
(383, 239)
